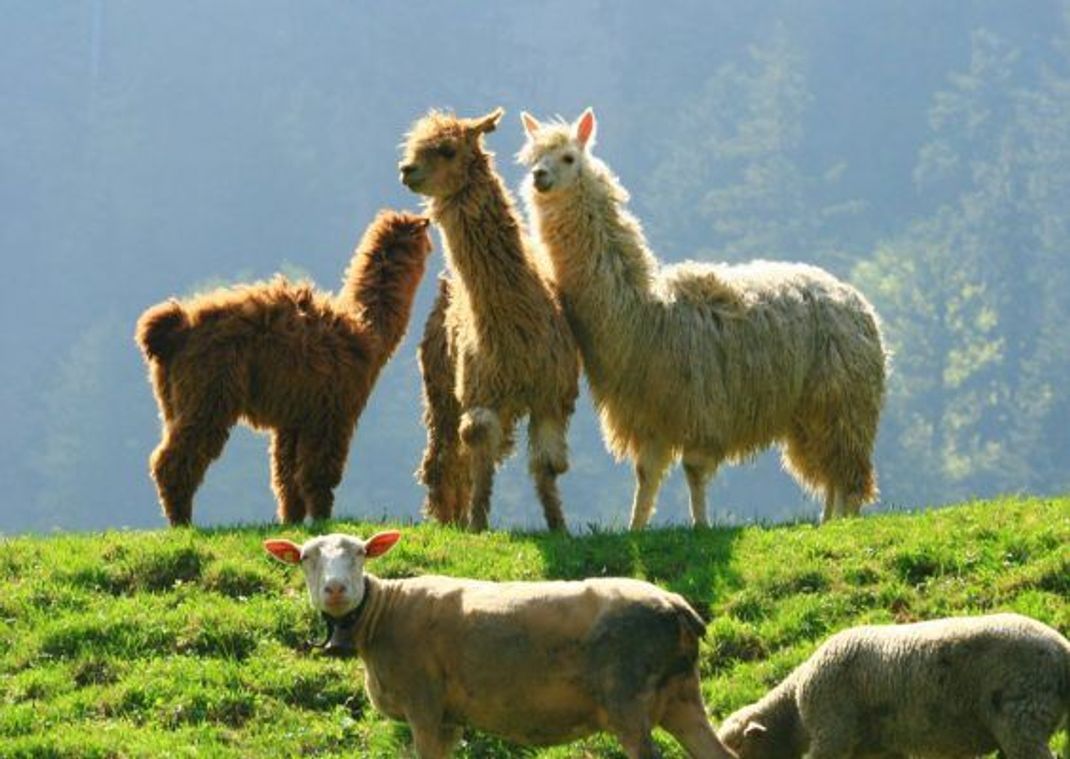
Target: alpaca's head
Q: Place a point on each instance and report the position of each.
(441, 149)
(557, 153)
(398, 234)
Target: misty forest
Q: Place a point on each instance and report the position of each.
(920, 151)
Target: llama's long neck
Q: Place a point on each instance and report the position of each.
(380, 285)
(602, 267)
(484, 245)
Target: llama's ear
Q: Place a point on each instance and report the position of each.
(380, 543)
(423, 222)
(531, 124)
(489, 122)
(285, 551)
(584, 128)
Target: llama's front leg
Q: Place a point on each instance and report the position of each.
(483, 435)
(321, 459)
(179, 462)
(650, 465)
(284, 476)
(835, 504)
(699, 467)
(547, 460)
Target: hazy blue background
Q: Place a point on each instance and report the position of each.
(147, 149)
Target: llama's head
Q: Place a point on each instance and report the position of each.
(557, 153)
(398, 234)
(440, 150)
(333, 566)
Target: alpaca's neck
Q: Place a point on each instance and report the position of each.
(380, 286)
(601, 263)
(483, 243)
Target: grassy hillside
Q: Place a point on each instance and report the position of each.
(188, 643)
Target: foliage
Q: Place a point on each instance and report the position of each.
(185, 643)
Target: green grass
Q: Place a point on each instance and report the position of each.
(189, 642)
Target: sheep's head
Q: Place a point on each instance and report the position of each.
(333, 566)
(756, 736)
(440, 149)
(557, 152)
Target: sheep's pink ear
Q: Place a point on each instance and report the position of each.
(380, 543)
(531, 124)
(585, 128)
(284, 550)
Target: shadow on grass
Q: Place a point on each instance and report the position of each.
(693, 563)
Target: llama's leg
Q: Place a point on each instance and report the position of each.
(321, 459)
(483, 436)
(284, 476)
(179, 462)
(650, 465)
(444, 469)
(548, 459)
(699, 467)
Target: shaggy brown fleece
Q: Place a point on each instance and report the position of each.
(497, 341)
(280, 356)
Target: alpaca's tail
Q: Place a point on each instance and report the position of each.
(162, 330)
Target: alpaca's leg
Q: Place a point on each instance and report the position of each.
(321, 459)
(284, 476)
(650, 465)
(547, 460)
(699, 467)
(483, 436)
(179, 462)
(444, 470)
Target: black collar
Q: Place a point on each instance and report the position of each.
(347, 623)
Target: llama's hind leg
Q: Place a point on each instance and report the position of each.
(284, 476)
(650, 465)
(547, 460)
(484, 438)
(178, 465)
(444, 470)
(321, 459)
(699, 467)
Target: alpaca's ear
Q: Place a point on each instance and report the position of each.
(585, 128)
(531, 124)
(380, 543)
(423, 222)
(285, 551)
(489, 122)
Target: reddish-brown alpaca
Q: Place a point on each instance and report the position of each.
(280, 356)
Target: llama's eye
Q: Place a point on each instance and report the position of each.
(569, 158)
(447, 151)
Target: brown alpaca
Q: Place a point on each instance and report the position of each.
(496, 347)
(280, 356)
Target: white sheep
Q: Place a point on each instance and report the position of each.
(537, 663)
(701, 362)
(957, 687)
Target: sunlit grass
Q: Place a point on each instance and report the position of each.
(190, 643)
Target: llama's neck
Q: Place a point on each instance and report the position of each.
(379, 289)
(601, 263)
(484, 245)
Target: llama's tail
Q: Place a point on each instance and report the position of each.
(162, 330)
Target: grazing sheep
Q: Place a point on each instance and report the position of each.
(950, 687)
(280, 356)
(496, 340)
(704, 362)
(537, 663)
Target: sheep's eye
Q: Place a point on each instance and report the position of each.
(447, 151)
(568, 158)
